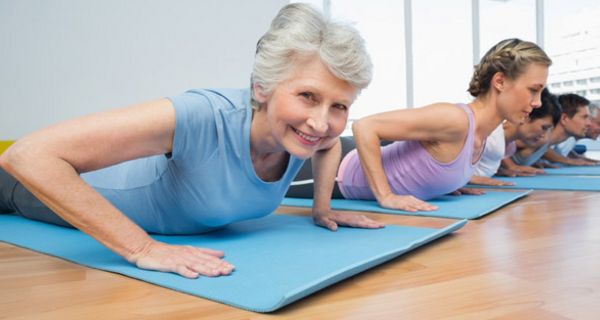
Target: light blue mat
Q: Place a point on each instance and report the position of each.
(279, 259)
(553, 182)
(575, 171)
(454, 207)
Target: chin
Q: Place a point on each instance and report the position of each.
(517, 121)
(300, 152)
(303, 155)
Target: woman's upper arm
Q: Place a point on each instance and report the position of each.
(106, 138)
(436, 122)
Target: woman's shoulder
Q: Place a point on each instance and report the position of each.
(216, 98)
(454, 113)
(446, 108)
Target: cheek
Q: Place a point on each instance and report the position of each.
(337, 123)
(511, 104)
(520, 98)
(286, 112)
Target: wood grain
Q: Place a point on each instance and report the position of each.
(538, 258)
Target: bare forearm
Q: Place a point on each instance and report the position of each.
(369, 151)
(552, 156)
(58, 185)
(508, 164)
(325, 165)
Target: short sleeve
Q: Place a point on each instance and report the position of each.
(195, 136)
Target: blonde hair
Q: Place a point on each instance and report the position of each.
(511, 57)
(299, 30)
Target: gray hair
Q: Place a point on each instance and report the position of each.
(299, 30)
(594, 108)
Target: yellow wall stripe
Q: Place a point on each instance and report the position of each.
(4, 145)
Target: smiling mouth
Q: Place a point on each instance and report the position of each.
(308, 139)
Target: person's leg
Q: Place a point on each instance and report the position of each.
(14, 198)
(7, 185)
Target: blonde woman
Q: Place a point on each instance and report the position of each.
(436, 148)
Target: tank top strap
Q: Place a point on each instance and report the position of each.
(467, 109)
(469, 142)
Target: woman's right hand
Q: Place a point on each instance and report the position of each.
(529, 170)
(406, 203)
(187, 261)
(485, 181)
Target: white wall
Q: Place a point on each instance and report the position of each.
(64, 58)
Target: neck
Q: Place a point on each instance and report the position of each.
(487, 116)
(559, 134)
(263, 145)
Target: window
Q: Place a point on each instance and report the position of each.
(381, 23)
(573, 42)
(500, 20)
(595, 91)
(442, 51)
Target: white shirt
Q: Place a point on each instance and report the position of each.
(565, 147)
(492, 154)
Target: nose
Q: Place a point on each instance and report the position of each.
(319, 120)
(537, 101)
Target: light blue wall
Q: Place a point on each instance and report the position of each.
(64, 58)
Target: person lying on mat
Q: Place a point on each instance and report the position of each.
(567, 148)
(203, 159)
(574, 122)
(502, 143)
(435, 148)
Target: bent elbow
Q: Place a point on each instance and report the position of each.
(357, 126)
(6, 158)
(363, 129)
(12, 157)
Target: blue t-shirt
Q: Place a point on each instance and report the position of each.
(208, 180)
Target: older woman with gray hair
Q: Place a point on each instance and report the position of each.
(200, 160)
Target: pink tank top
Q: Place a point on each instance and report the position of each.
(411, 170)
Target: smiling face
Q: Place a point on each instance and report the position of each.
(535, 132)
(308, 111)
(518, 97)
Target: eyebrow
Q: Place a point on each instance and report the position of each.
(319, 94)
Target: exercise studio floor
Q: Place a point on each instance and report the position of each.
(537, 258)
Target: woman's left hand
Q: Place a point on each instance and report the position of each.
(332, 219)
(470, 191)
(485, 181)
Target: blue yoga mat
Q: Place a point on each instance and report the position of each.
(454, 207)
(279, 259)
(574, 171)
(552, 182)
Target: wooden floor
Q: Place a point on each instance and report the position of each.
(538, 258)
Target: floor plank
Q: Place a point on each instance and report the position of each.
(537, 258)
